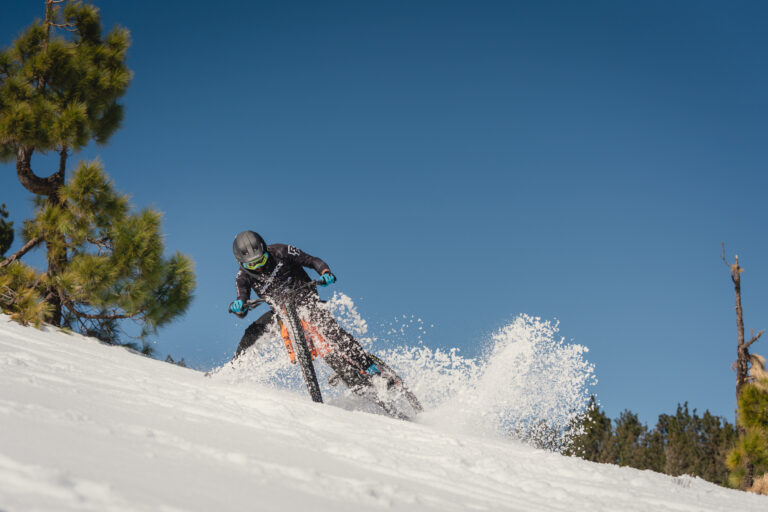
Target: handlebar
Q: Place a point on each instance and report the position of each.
(254, 303)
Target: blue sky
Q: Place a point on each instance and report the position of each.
(463, 162)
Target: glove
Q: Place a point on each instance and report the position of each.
(237, 307)
(328, 278)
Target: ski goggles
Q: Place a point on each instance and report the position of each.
(257, 263)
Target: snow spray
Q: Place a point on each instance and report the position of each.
(528, 383)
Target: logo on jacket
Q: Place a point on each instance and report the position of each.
(270, 279)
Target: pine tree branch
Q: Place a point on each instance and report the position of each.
(735, 271)
(41, 186)
(80, 321)
(114, 316)
(102, 243)
(39, 279)
(69, 27)
(7, 295)
(754, 339)
(99, 317)
(21, 252)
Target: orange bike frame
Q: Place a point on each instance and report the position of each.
(317, 344)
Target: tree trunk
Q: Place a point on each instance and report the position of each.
(57, 261)
(742, 350)
(742, 357)
(742, 353)
(56, 245)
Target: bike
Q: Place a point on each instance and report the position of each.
(304, 343)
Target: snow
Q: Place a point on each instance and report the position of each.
(86, 426)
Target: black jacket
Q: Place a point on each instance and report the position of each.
(284, 270)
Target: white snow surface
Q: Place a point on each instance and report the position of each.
(86, 426)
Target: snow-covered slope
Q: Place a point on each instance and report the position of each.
(84, 426)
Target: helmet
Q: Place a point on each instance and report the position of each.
(250, 249)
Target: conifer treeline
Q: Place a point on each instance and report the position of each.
(679, 444)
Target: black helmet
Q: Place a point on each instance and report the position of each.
(248, 247)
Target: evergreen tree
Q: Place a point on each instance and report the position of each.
(115, 266)
(716, 437)
(696, 445)
(6, 231)
(652, 454)
(626, 447)
(592, 434)
(748, 461)
(679, 431)
(682, 443)
(59, 85)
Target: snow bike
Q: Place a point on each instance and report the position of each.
(304, 343)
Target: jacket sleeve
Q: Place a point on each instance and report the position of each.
(305, 260)
(243, 286)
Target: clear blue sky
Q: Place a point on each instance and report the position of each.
(464, 162)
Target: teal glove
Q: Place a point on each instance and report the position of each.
(237, 306)
(328, 278)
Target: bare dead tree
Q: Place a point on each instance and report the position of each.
(742, 351)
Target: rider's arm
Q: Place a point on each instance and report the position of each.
(306, 260)
(243, 286)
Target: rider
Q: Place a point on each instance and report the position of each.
(271, 270)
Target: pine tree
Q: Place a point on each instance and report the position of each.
(748, 461)
(6, 231)
(715, 437)
(682, 443)
(59, 85)
(680, 435)
(626, 449)
(593, 434)
(59, 88)
(115, 266)
(696, 445)
(652, 454)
